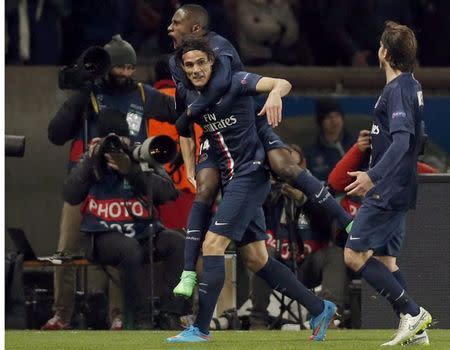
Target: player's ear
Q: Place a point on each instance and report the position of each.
(212, 59)
(196, 28)
(385, 53)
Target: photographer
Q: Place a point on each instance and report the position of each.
(113, 188)
(76, 121)
(293, 222)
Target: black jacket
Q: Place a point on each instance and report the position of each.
(68, 121)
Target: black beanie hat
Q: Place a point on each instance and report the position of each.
(120, 51)
(111, 120)
(326, 105)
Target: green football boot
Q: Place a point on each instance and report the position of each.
(186, 285)
(349, 227)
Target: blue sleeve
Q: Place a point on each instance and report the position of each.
(218, 85)
(247, 83)
(180, 98)
(393, 155)
(400, 111)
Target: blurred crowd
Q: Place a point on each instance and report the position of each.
(289, 32)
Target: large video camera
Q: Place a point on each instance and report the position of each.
(91, 65)
(153, 152)
(14, 146)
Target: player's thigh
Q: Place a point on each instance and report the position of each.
(377, 229)
(241, 203)
(267, 135)
(207, 180)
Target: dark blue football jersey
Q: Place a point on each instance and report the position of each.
(398, 109)
(229, 128)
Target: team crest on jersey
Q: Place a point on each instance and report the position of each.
(244, 79)
(203, 157)
(375, 129)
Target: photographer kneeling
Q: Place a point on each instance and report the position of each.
(112, 188)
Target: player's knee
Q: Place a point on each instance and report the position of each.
(389, 261)
(255, 262)
(352, 260)
(213, 246)
(283, 165)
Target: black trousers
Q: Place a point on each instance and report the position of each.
(129, 255)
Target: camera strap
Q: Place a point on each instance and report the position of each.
(94, 103)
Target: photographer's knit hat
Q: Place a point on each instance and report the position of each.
(120, 51)
(112, 120)
(326, 105)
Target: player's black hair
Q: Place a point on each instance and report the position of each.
(197, 14)
(401, 44)
(193, 44)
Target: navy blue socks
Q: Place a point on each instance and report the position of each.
(197, 226)
(318, 193)
(209, 288)
(280, 278)
(386, 284)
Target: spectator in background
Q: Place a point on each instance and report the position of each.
(357, 159)
(268, 32)
(434, 30)
(33, 31)
(95, 22)
(332, 141)
(319, 260)
(347, 32)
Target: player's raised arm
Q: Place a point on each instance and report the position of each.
(277, 88)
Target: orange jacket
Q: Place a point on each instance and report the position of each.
(156, 127)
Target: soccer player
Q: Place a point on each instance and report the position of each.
(229, 127)
(192, 20)
(389, 186)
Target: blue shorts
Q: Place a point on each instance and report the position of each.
(268, 137)
(240, 216)
(377, 229)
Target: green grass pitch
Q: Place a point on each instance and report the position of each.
(253, 340)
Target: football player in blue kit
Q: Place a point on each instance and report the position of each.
(389, 186)
(192, 21)
(233, 141)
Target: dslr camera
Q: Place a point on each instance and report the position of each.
(152, 153)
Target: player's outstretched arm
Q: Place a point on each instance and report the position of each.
(187, 146)
(277, 88)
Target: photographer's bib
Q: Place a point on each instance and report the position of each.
(112, 206)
